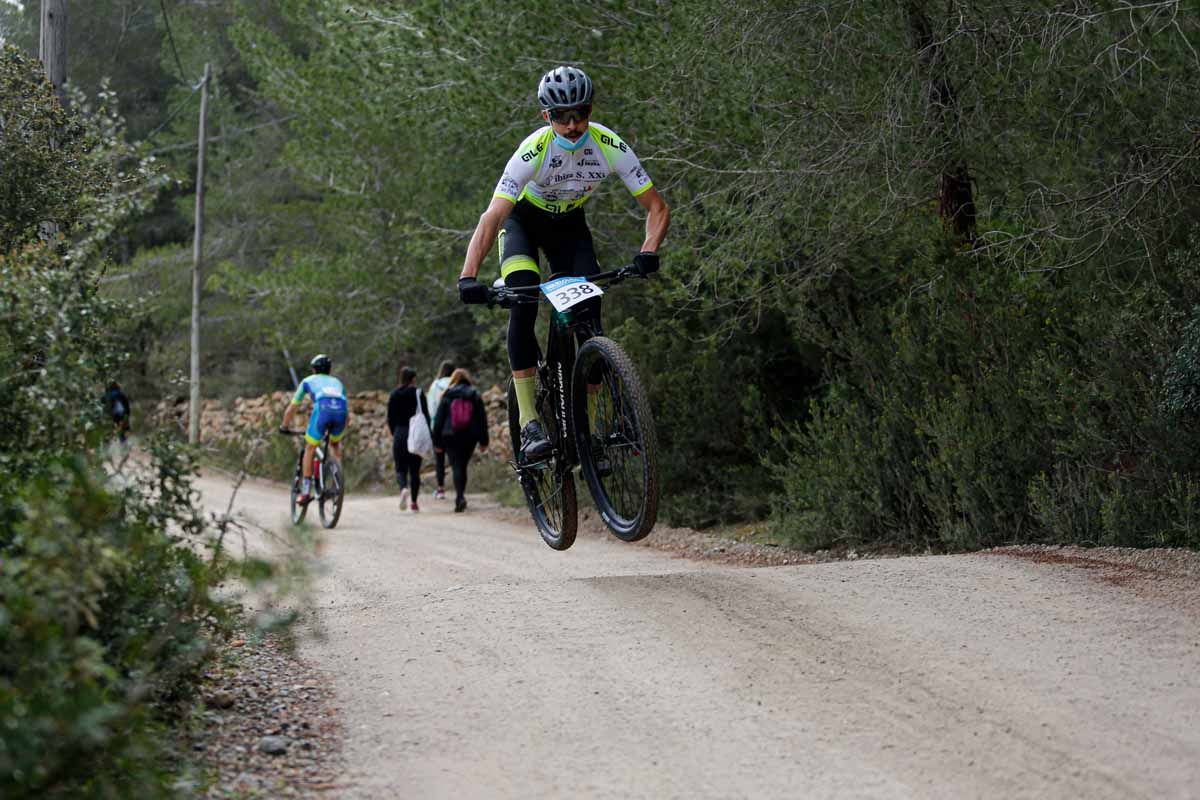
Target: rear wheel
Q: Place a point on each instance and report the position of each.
(333, 491)
(615, 438)
(549, 487)
(298, 509)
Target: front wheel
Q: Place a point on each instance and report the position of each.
(550, 487)
(615, 438)
(333, 492)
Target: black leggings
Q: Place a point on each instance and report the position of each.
(460, 457)
(439, 464)
(408, 466)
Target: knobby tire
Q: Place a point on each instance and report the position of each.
(550, 490)
(333, 486)
(298, 509)
(624, 437)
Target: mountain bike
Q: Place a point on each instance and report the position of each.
(595, 413)
(328, 488)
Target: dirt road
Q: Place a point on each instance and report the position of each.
(472, 661)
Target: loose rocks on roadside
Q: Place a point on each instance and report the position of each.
(1171, 574)
(270, 724)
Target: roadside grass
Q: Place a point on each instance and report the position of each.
(273, 457)
(497, 479)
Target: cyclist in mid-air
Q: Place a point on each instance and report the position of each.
(538, 204)
(330, 413)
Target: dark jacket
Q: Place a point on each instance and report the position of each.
(402, 404)
(116, 404)
(443, 431)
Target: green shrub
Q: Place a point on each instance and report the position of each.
(716, 398)
(103, 627)
(105, 568)
(1000, 407)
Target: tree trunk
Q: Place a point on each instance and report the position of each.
(956, 200)
(52, 44)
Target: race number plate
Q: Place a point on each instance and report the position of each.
(566, 292)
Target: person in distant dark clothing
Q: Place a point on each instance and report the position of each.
(434, 396)
(402, 404)
(116, 405)
(460, 426)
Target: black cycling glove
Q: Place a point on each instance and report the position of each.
(646, 263)
(472, 291)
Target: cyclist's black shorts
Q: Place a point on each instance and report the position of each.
(567, 244)
(564, 238)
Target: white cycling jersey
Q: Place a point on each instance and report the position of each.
(558, 180)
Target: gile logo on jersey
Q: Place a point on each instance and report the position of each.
(530, 155)
(608, 140)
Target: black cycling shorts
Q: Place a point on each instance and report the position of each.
(566, 241)
(564, 238)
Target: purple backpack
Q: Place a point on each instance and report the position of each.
(462, 410)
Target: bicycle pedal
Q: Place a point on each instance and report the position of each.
(519, 465)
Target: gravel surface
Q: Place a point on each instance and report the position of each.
(472, 661)
(271, 726)
(699, 545)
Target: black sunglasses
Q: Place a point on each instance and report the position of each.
(576, 114)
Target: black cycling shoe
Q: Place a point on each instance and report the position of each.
(535, 446)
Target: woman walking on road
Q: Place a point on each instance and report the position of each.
(458, 428)
(436, 389)
(402, 404)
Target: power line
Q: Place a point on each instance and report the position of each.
(175, 112)
(235, 133)
(171, 37)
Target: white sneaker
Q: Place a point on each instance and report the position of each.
(404, 499)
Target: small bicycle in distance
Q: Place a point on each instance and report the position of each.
(595, 413)
(328, 488)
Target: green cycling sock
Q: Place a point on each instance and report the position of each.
(526, 402)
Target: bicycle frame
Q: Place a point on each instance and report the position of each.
(318, 459)
(567, 332)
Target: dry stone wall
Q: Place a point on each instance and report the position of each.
(246, 418)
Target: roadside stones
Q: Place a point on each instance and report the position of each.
(244, 419)
(222, 698)
(273, 745)
(281, 737)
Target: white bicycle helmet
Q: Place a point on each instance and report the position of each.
(564, 87)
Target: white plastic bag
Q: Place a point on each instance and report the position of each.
(420, 440)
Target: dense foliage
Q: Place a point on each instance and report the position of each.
(930, 276)
(105, 578)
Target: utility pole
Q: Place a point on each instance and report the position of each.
(197, 260)
(52, 44)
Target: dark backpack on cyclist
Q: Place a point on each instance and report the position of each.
(462, 413)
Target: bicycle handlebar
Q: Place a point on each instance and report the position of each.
(509, 296)
(289, 432)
